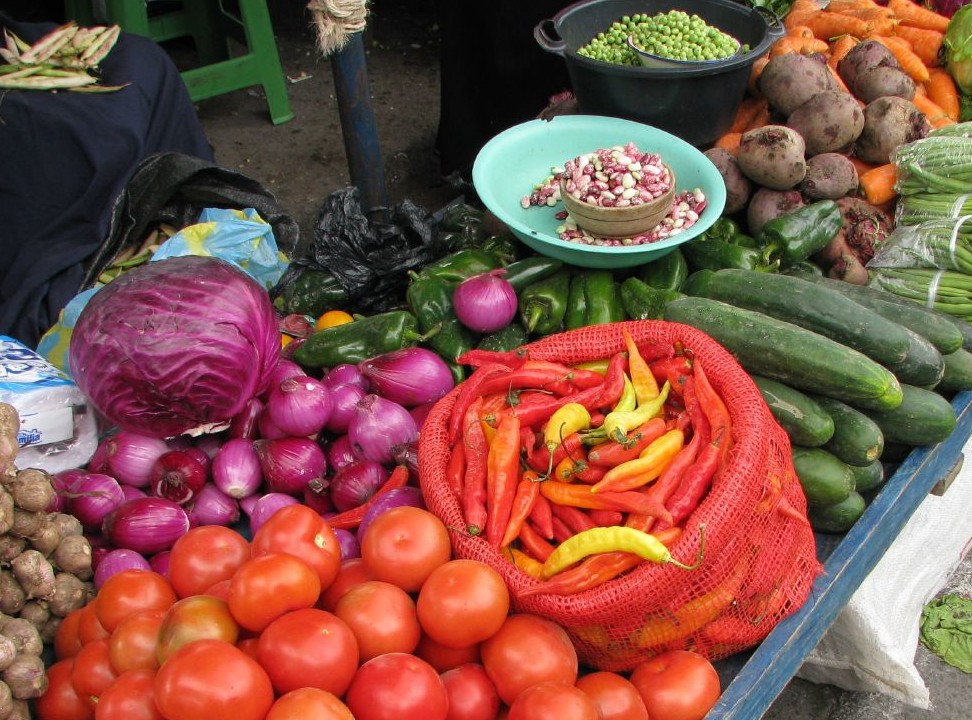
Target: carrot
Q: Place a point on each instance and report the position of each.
(878, 183)
(752, 85)
(760, 118)
(746, 112)
(839, 81)
(799, 11)
(729, 141)
(916, 15)
(827, 25)
(881, 20)
(935, 113)
(906, 57)
(862, 166)
(839, 47)
(943, 91)
(845, 6)
(927, 44)
(798, 44)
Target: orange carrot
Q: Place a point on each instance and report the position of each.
(839, 47)
(838, 80)
(752, 84)
(799, 11)
(906, 57)
(943, 91)
(827, 25)
(927, 44)
(916, 15)
(933, 111)
(798, 44)
(878, 183)
(800, 31)
(729, 141)
(746, 112)
(762, 117)
(843, 6)
(862, 166)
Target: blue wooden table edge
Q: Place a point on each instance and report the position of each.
(777, 659)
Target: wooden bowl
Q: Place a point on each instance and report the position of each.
(619, 222)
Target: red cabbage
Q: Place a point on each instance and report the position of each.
(175, 344)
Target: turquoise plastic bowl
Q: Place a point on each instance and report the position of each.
(511, 163)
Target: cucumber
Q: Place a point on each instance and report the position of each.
(802, 417)
(923, 365)
(825, 478)
(957, 375)
(857, 439)
(923, 418)
(838, 517)
(789, 353)
(804, 303)
(965, 328)
(934, 325)
(868, 477)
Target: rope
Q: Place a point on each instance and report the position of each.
(336, 21)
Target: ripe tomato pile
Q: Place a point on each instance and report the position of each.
(278, 626)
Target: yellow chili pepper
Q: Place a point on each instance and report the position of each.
(618, 423)
(598, 366)
(610, 539)
(567, 419)
(643, 379)
(528, 564)
(628, 400)
(648, 466)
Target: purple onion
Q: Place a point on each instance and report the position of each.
(131, 456)
(485, 302)
(160, 562)
(116, 560)
(147, 525)
(209, 444)
(285, 368)
(346, 374)
(211, 506)
(344, 400)
(339, 453)
(317, 496)
(64, 482)
(247, 504)
(355, 483)
(289, 463)
(396, 497)
(245, 424)
(130, 492)
(299, 406)
(93, 497)
(266, 428)
(201, 457)
(266, 506)
(420, 413)
(379, 424)
(410, 376)
(348, 542)
(236, 468)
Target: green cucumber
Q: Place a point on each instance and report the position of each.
(922, 366)
(789, 353)
(923, 418)
(934, 325)
(825, 478)
(857, 439)
(802, 417)
(804, 303)
(958, 372)
(838, 517)
(868, 477)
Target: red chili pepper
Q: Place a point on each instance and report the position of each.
(572, 468)
(561, 530)
(580, 377)
(474, 486)
(350, 519)
(456, 469)
(606, 518)
(469, 390)
(672, 369)
(580, 496)
(478, 357)
(544, 378)
(534, 543)
(542, 516)
(502, 477)
(613, 453)
(574, 518)
(540, 459)
(527, 492)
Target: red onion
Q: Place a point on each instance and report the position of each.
(357, 482)
(209, 443)
(64, 482)
(147, 525)
(247, 504)
(266, 428)
(408, 495)
(339, 453)
(317, 496)
(131, 456)
(266, 506)
(410, 376)
(159, 562)
(346, 374)
(116, 560)
(299, 405)
(130, 492)
(407, 454)
(93, 497)
(344, 399)
(348, 542)
(211, 506)
(485, 302)
(284, 369)
(420, 412)
(201, 457)
(379, 424)
(245, 424)
(236, 468)
(177, 476)
(98, 463)
(290, 463)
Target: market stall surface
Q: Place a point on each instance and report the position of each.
(304, 160)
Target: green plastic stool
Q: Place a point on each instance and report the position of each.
(211, 26)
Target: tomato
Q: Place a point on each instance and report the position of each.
(677, 685)
(527, 650)
(463, 602)
(192, 618)
(130, 697)
(382, 617)
(472, 695)
(132, 644)
(308, 648)
(61, 701)
(89, 626)
(404, 545)
(219, 589)
(442, 657)
(249, 645)
(397, 686)
(333, 318)
(129, 591)
(309, 703)
(92, 671)
(66, 639)
(212, 680)
(267, 586)
(615, 696)
(551, 700)
(352, 572)
(301, 531)
(203, 556)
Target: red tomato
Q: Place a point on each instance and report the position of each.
(89, 626)
(352, 572)
(301, 531)
(130, 697)
(472, 695)
(203, 556)
(382, 617)
(249, 645)
(463, 602)
(308, 648)
(554, 701)
(615, 696)
(397, 686)
(265, 587)
(309, 703)
(60, 701)
(129, 591)
(92, 671)
(193, 618)
(66, 639)
(444, 658)
(677, 685)
(131, 645)
(525, 651)
(404, 545)
(212, 680)
(219, 589)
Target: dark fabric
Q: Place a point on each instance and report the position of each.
(64, 157)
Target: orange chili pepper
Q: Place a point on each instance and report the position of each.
(474, 485)
(645, 385)
(613, 453)
(527, 492)
(631, 501)
(542, 516)
(646, 467)
(577, 468)
(528, 564)
(533, 543)
(502, 477)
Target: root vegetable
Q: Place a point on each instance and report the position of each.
(49, 631)
(36, 612)
(73, 555)
(70, 593)
(738, 187)
(828, 122)
(66, 524)
(8, 651)
(789, 80)
(6, 511)
(829, 176)
(6, 701)
(26, 522)
(32, 489)
(19, 710)
(866, 227)
(46, 539)
(12, 596)
(767, 204)
(34, 573)
(9, 427)
(883, 80)
(24, 635)
(888, 123)
(10, 547)
(26, 677)
(861, 58)
(772, 156)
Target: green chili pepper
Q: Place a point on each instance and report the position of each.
(509, 338)
(725, 229)
(505, 247)
(313, 293)
(359, 340)
(643, 302)
(523, 272)
(576, 315)
(602, 298)
(706, 254)
(800, 233)
(430, 299)
(461, 264)
(667, 272)
(543, 304)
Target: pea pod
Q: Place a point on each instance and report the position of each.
(801, 233)
(543, 304)
(666, 273)
(356, 341)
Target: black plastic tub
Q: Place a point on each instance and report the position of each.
(695, 103)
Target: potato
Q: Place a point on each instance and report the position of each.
(738, 187)
(828, 122)
(772, 156)
(883, 80)
(889, 121)
(862, 57)
(829, 176)
(766, 204)
(790, 79)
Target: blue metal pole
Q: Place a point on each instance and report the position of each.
(358, 125)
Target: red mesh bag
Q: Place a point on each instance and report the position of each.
(759, 557)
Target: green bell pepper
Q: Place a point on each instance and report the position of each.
(365, 337)
(543, 304)
(801, 233)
